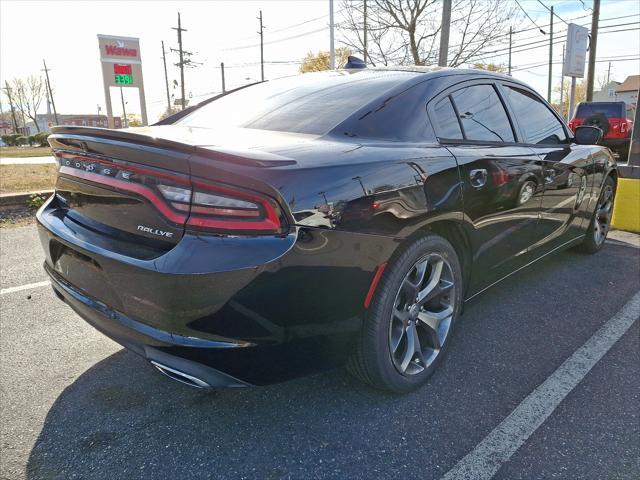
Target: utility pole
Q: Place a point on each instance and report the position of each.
(550, 79)
(444, 33)
(124, 111)
(224, 89)
(181, 62)
(261, 33)
(7, 90)
(592, 49)
(332, 52)
(510, 44)
(609, 73)
(166, 78)
(364, 30)
(562, 85)
(53, 104)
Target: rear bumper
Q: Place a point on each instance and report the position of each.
(153, 344)
(615, 143)
(254, 311)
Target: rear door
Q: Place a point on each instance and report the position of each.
(502, 179)
(565, 166)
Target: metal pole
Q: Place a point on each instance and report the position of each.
(261, 47)
(592, 49)
(124, 111)
(609, 73)
(166, 78)
(444, 33)
(510, 44)
(53, 104)
(572, 98)
(224, 89)
(332, 53)
(550, 79)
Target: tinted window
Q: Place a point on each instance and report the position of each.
(538, 123)
(311, 103)
(448, 126)
(482, 115)
(611, 110)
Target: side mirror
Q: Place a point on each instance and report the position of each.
(586, 135)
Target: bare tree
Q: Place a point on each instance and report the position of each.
(408, 31)
(29, 94)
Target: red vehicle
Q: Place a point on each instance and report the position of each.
(610, 117)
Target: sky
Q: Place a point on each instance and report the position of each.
(65, 34)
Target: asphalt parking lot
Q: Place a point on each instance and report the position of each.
(75, 405)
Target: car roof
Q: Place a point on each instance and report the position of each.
(421, 73)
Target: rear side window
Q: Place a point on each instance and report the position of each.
(539, 124)
(482, 115)
(445, 116)
(608, 109)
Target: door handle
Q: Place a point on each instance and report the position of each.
(478, 177)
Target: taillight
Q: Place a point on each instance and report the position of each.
(199, 204)
(575, 122)
(222, 207)
(624, 126)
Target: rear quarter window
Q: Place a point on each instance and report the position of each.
(610, 110)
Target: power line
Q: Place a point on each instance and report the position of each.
(531, 19)
(553, 12)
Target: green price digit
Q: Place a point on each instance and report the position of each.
(124, 79)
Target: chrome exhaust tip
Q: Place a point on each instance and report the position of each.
(179, 376)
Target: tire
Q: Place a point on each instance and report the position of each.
(389, 322)
(601, 220)
(599, 120)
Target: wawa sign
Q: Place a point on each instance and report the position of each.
(121, 67)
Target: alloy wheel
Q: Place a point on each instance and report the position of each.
(602, 218)
(422, 314)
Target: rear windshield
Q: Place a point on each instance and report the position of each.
(610, 110)
(312, 103)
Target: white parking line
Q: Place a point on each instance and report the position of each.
(504, 440)
(24, 287)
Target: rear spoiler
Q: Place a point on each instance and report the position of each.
(183, 113)
(81, 138)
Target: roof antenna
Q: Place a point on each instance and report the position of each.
(354, 62)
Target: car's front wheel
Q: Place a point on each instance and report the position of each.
(408, 326)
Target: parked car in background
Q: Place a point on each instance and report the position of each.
(611, 118)
(332, 217)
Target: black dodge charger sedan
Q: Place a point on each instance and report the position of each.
(328, 218)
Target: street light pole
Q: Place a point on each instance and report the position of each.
(124, 112)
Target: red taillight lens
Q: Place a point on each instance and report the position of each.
(575, 122)
(216, 206)
(198, 204)
(624, 126)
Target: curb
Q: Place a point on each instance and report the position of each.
(20, 198)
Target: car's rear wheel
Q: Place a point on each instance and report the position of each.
(601, 221)
(410, 321)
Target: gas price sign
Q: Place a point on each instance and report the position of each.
(123, 74)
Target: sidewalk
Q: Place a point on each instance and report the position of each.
(26, 160)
